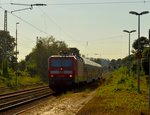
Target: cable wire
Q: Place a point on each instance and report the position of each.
(99, 3)
(26, 22)
(53, 21)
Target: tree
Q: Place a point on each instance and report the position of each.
(146, 52)
(112, 64)
(143, 43)
(37, 59)
(7, 44)
(22, 65)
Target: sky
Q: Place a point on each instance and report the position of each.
(95, 27)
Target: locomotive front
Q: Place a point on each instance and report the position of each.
(61, 72)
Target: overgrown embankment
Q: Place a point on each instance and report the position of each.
(118, 96)
(16, 82)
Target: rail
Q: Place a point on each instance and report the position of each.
(13, 99)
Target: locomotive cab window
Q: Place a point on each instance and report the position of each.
(67, 63)
(55, 63)
(61, 63)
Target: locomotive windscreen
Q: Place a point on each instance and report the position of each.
(60, 62)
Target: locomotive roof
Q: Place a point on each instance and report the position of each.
(86, 61)
(89, 62)
(63, 56)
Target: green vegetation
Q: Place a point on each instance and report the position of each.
(36, 61)
(7, 45)
(32, 70)
(118, 96)
(16, 81)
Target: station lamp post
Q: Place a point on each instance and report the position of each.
(139, 60)
(30, 7)
(129, 32)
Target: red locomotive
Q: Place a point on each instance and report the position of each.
(66, 71)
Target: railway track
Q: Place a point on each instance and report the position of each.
(4, 90)
(14, 99)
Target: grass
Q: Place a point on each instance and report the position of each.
(29, 80)
(16, 82)
(118, 96)
(2, 83)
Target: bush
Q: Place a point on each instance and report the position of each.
(31, 69)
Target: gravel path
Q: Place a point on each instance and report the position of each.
(67, 104)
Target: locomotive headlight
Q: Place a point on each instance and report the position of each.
(70, 75)
(52, 75)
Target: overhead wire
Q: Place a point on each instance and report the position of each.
(99, 3)
(52, 20)
(81, 3)
(31, 24)
(35, 26)
(94, 3)
(4, 3)
(55, 4)
(26, 22)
